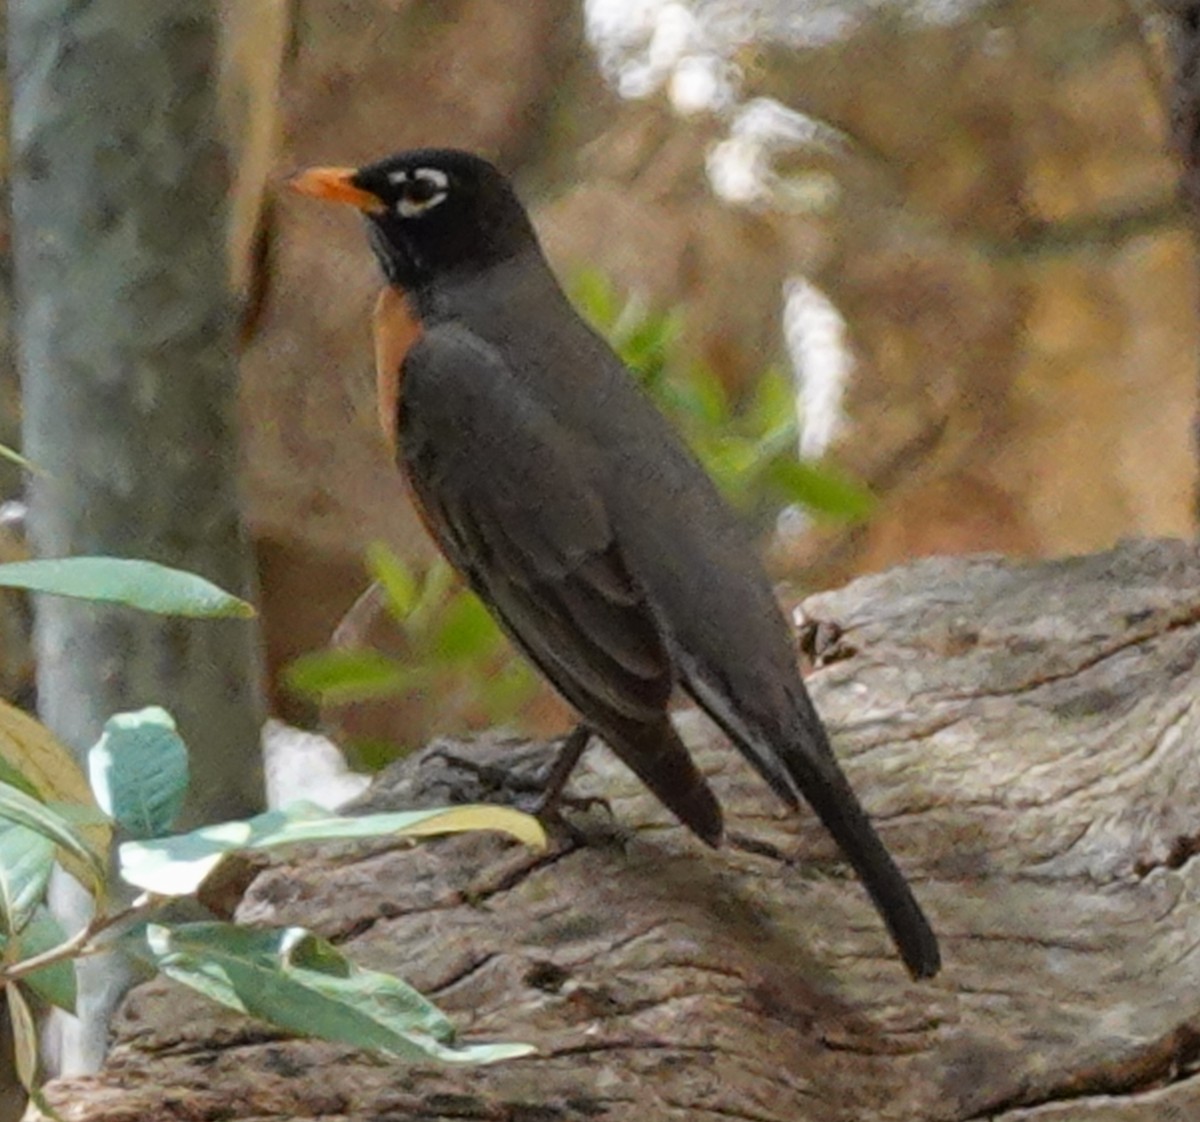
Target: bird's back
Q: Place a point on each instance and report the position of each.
(680, 540)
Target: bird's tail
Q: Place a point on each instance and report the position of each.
(828, 792)
(656, 755)
(800, 760)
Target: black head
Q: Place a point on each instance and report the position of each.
(432, 212)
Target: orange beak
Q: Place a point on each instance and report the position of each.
(334, 185)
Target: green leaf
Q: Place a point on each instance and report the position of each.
(18, 807)
(399, 584)
(26, 861)
(139, 771)
(773, 402)
(10, 775)
(303, 984)
(594, 296)
(177, 866)
(703, 396)
(819, 488)
(55, 982)
(438, 580)
(646, 340)
(138, 584)
(349, 675)
(466, 630)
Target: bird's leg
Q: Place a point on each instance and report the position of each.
(820, 641)
(555, 779)
(548, 786)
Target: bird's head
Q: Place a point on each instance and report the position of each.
(431, 212)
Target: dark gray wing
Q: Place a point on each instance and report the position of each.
(509, 494)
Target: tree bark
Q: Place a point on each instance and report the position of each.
(1025, 737)
(126, 346)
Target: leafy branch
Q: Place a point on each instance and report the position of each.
(51, 814)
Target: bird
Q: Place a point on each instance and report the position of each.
(574, 510)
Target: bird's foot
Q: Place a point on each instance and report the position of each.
(821, 641)
(532, 793)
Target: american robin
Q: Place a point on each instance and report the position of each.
(573, 509)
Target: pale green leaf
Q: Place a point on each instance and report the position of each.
(137, 584)
(303, 984)
(26, 861)
(177, 866)
(139, 771)
(18, 807)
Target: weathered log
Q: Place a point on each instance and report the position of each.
(1026, 736)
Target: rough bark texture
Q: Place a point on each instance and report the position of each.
(1025, 736)
(125, 335)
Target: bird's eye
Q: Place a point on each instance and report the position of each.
(420, 190)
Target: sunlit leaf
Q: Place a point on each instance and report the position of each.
(349, 675)
(46, 770)
(305, 985)
(177, 866)
(399, 584)
(137, 584)
(139, 771)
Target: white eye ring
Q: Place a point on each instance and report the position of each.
(435, 177)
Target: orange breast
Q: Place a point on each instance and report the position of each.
(396, 329)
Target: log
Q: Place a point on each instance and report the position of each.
(1026, 738)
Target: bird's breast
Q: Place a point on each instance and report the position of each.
(396, 328)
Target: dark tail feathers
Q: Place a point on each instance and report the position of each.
(829, 794)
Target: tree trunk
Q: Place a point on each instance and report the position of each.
(119, 188)
(1025, 737)
(125, 340)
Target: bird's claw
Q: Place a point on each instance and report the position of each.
(821, 641)
(525, 792)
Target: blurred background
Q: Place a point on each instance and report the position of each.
(922, 263)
